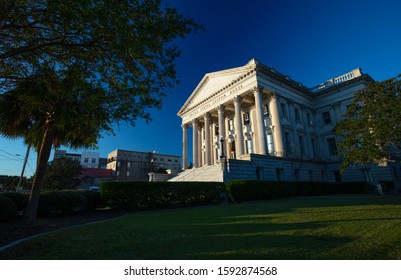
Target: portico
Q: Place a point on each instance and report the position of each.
(236, 112)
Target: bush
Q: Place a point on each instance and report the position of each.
(55, 203)
(241, 190)
(19, 199)
(152, 195)
(8, 209)
(92, 199)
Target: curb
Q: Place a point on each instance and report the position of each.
(56, 230)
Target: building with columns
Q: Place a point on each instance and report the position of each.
(254, 122)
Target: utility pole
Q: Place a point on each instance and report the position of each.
(23, 166)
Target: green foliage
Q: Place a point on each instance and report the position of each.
(371, 131)
(62, 174)
(92, 199)
(56, 203)
(151, 195)
(8, 209)
(245, 190)
(19, 199)
(242, 190)
(70, 69)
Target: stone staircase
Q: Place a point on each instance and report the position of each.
(208, 173)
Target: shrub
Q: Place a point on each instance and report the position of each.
(151, 195)
(54, 203)
(92, 199)
(8, 209)
(241, 190)
(305, 188)
(19, 199)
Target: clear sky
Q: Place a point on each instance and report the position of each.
(311, 41)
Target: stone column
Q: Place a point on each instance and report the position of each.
(260, 126)
(184, 146)
(207, 139)
(222, 129)
(309, 148)
(200, 144)
(276, 123)
(239, 141)
(295, 138)
(195, 146)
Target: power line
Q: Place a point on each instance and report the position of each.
(9, 154)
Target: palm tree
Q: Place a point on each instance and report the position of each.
(53, 108)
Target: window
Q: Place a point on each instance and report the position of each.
(326, 117)
(246, 118)
(270, 143)
(86, 160)
(297, 115)
(248, 144)
(266, 109)
(284, 111)
(231, 124)
(296, 174)
(309, 119)
(280, 174)
(93, 160)
(259, 173)
(331, 142)
(367, 175)
(337, 176)
(287, 142)
(301, 144)
(310, 175)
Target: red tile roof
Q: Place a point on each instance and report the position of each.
(97, 173)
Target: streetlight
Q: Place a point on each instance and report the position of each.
(221, 148)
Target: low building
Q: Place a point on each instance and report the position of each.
(135, 165)
(86, 159)
(253, 122)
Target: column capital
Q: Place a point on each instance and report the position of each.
(220, 107)
(206, 115)
(257, 89)
(194, 121)
(237, 99)
(184, 126)
(272, 95)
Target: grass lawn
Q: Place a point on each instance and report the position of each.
(292, 228)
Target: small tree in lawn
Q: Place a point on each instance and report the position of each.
(371, 130)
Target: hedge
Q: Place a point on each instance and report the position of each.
(8, 209)
(242, 190)
(19, 199)
(152, 195)
(92, 199)
(55, 203)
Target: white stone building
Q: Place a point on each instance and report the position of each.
(268, 126)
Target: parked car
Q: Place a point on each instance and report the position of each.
(94, 188)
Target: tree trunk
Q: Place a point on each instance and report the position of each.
(43, 157)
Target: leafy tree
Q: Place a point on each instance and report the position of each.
(62, 174)
(371, 129)
(70, 69)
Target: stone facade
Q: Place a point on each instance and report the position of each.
(261, 124)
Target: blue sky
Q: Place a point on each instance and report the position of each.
(311, 41)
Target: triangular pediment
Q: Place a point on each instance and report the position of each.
(213, 82)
